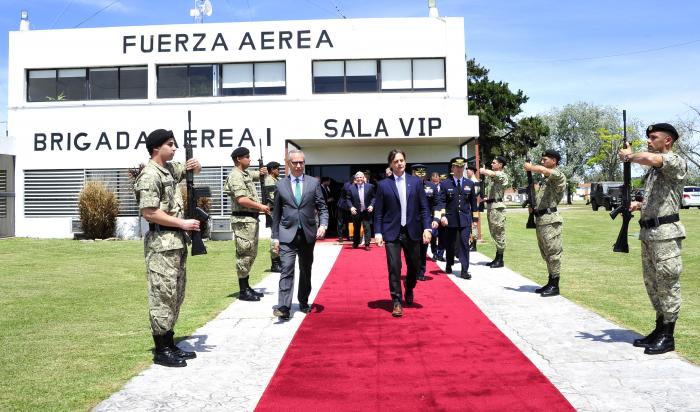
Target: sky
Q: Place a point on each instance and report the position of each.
(642, 55)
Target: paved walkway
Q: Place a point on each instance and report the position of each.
(590, 359)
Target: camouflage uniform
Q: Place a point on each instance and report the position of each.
(661, 246)
(477, 192)
(496, 209)
(549, 225)
(165, 250)
(245, 228)
(270, 187)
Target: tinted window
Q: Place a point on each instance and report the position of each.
(691, 189)
(329, 77)
(104, 83)
(133, 83)
(201, 80)
(71, 84)
(41, 85)
(172, 81)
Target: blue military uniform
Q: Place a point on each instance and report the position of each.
(456, 202)
(431, 191)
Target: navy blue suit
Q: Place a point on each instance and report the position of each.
(458, 202)
(431, 193)
(362, 217)
(387, 222)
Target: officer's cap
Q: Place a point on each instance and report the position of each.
(240, 151)
(553, 154)
(501, 160)
(663, 127)
(458, 161)
(157, 138)
(272, 165)
(418, 167)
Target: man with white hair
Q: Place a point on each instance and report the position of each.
(360, 197)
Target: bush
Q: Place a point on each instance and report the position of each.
(98, 207)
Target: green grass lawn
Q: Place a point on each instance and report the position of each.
(74, 322)
(74, 319)
(608, 283)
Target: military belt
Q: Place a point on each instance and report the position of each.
(155, 227)
(496, 200)
(245, 214)
(543, 212)
(658, 221)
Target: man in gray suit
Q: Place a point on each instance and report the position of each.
(294, 232)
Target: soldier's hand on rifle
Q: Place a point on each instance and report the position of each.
(193, 164)
(263, 171)
(264, 208)
(624, 154)
(527, 166)
(635, 205)
(190, 225)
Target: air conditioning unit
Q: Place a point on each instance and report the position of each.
(221, 228)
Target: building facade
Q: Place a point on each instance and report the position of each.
(82, 101)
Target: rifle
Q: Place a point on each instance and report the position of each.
(621, 244)
(530, 199)
(193, 195)
(261, 164)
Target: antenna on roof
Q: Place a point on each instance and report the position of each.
(24, 21)
(432, 8)
(201, 8)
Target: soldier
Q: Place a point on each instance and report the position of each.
(456, 203)
(441, 231)
(661, 232)
(437, 234)
(495, 208)
(471, 174)
(273, 173)
(165, 244)
(419, 170)
(245, 208)
(548, 220)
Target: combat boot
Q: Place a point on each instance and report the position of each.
(650, 338)
(664, 342)
(552, 289)
(183, 354)
(163, 355)
(276, 265)
(549, 281)
(472, 246)
(246, 293)
(498, 261)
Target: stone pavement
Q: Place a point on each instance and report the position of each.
(588, 358)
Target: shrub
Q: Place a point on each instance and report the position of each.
(98, 207)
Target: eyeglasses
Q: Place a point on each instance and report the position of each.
(299, 163)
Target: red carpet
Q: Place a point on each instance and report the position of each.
(443, 355)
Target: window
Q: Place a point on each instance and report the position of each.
(201, 79)
(329, 76)
(247, 79)
(172, 81)
(87, 84)
(396, 74)
(429, 74)
(361, 75)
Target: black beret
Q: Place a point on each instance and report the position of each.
(418, 166)
(458, 161)
(501, 160)
(240, 151)
(553, 154)
(272, 165)
(157, 138)
(663, 127)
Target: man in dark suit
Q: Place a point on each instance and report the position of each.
(402, 220)
(456, 202)
(294, 232)
(343, 212)
(361, 200)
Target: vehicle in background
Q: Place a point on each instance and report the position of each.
(606, 194)
(691, 197)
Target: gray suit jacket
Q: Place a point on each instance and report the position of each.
(287, 214)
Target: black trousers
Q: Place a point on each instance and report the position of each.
(289, 252)
(459, 237)
(361, 218)
(411, 252)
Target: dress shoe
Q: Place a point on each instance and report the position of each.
(256, 293)
(448, 269)
(304, 307)
(398, 310)
(420, 277)
(408, 296)
(366, 247)
(354, 246)
(281, 312)
(247, 295)
(466, 275)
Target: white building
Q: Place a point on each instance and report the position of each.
(81, 102)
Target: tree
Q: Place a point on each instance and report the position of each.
(497, 106)
(573, 133)
(609, 145)
(688, 145)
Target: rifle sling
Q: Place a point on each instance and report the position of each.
(542, 212)
(155, 227)
(656, 222)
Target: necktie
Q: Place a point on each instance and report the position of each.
(297, 190)
(402, 198)
(361, 192)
